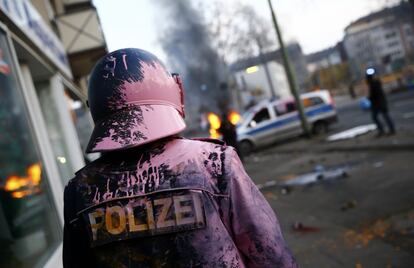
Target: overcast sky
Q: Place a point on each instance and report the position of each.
(315, 24)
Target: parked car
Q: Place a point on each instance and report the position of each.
(269, 122)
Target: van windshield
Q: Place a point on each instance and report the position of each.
(259, 117)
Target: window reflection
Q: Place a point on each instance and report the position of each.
(29, 228)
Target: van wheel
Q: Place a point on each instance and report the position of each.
(245, 147)
(320, 127)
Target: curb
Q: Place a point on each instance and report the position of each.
(357, 148)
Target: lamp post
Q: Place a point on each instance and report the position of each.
(290, 75)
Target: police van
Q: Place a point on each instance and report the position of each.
(272, 121)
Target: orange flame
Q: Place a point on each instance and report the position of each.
(23, 186)
(215, 124)
(234, 117)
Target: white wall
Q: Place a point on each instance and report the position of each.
(258, 80)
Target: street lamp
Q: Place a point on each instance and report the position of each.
(290, 75)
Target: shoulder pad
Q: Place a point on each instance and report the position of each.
(215, 141)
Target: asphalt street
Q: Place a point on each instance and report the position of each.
(365, 219)
(401, 106)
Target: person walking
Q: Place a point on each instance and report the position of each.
(155, 199)
(378, 103)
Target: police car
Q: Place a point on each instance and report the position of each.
(271, 121)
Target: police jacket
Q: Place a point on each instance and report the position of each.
(175, 203)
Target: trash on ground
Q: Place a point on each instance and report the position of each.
(378, 164)
(317, 176)
(348, 205)
(286, 190)
(270, 195)
(378, 229)
(319, 168)
(266, 184)
(409, 231)
(288, 177)
(299, 227)
(320, 174)
(352, 133)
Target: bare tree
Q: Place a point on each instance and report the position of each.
(237, 31)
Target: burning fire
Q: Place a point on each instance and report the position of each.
(215, 122)
(23, 186)
(234, 117)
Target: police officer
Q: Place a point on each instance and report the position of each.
(378, 102)
(155, 199)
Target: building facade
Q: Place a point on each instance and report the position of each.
(383, 39)
(326, 58)
(297, 60)
(47, 49)
(254, 84)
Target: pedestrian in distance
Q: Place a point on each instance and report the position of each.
(378, 103)
(155, 199)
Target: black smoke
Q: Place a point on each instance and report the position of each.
(187, 44)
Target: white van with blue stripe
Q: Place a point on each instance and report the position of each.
(269, 122)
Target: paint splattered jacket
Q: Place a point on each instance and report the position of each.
(177, 203)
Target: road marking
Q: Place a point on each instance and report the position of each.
(408, 115)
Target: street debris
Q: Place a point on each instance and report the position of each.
(348, 205)
(352, 133)
(320, 174)
(377, 230)
(286, 190)
(270, 196)
(378, 164)
(270, 183)
(299, 227)
(319, 168)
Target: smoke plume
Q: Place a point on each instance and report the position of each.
(187, 44)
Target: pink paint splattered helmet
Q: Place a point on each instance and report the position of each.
(133, 100)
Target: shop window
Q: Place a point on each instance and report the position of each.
(29, 226)
(55, 130)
